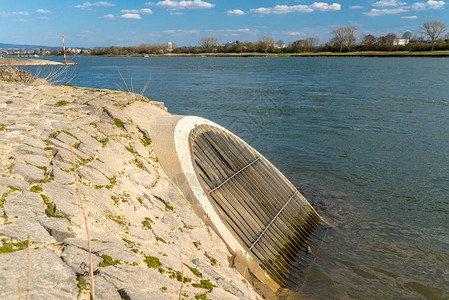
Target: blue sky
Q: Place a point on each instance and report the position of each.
(121, 23)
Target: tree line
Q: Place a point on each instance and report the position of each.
(432, 36)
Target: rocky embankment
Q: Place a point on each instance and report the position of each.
(139, 223)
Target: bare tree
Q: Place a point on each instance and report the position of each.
(344, 37)
(307, 45)
(434, 29)
(265, 43)
(208, 43)
(368, 39)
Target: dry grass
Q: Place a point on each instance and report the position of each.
(52, 74)
(80, 199)
(29, 268)
(130, 88)
(182, 277)
(15, 74)
(19, 289)
(56, 75)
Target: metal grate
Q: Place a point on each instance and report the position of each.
(263, 210)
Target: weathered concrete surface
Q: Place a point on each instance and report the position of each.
(51, 278)
(139, 222)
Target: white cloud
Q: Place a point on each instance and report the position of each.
(419, 6)
(389, 3)
(238, 30)
(436, 4)
(43, 11)
(182, 31)
(355, 7)
(235, 12)
(386, 11)
(13, 13)
(177, 5)
(19, 20)
(285, 9)
(294, 33)
(89, 5)
(146, 11)
(326, 7)
(176, 13)
(43, 18)
(409, 17)
(261, 10)
(137, 11)
(131, 16)
(109, 16)
(430, 4)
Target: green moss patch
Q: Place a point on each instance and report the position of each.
(194, 271)
(82, 284)
(61, 103)
(178, 276)
(36, 189)
(119, 123)
(204, 284)
(201, 297)
(213, 261)
(167, 205)
(146, 223)
(11, 247)
(153, 262)
(109, 261)
(161, 240)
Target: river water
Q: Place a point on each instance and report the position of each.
(366, 140)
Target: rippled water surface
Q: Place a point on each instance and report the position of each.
(366, 140)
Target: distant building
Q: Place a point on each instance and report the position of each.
(401, 42)
(77, 51)
(169, 46)
(279, 46)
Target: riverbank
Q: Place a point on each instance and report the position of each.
(145, 235)
(318, 54)
(8, 61)
(306, 54)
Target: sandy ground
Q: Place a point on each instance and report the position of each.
(28, 62)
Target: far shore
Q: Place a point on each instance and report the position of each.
(306, 54)
(311, 54)
(14, 61)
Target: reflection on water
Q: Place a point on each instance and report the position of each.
(364, 139)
